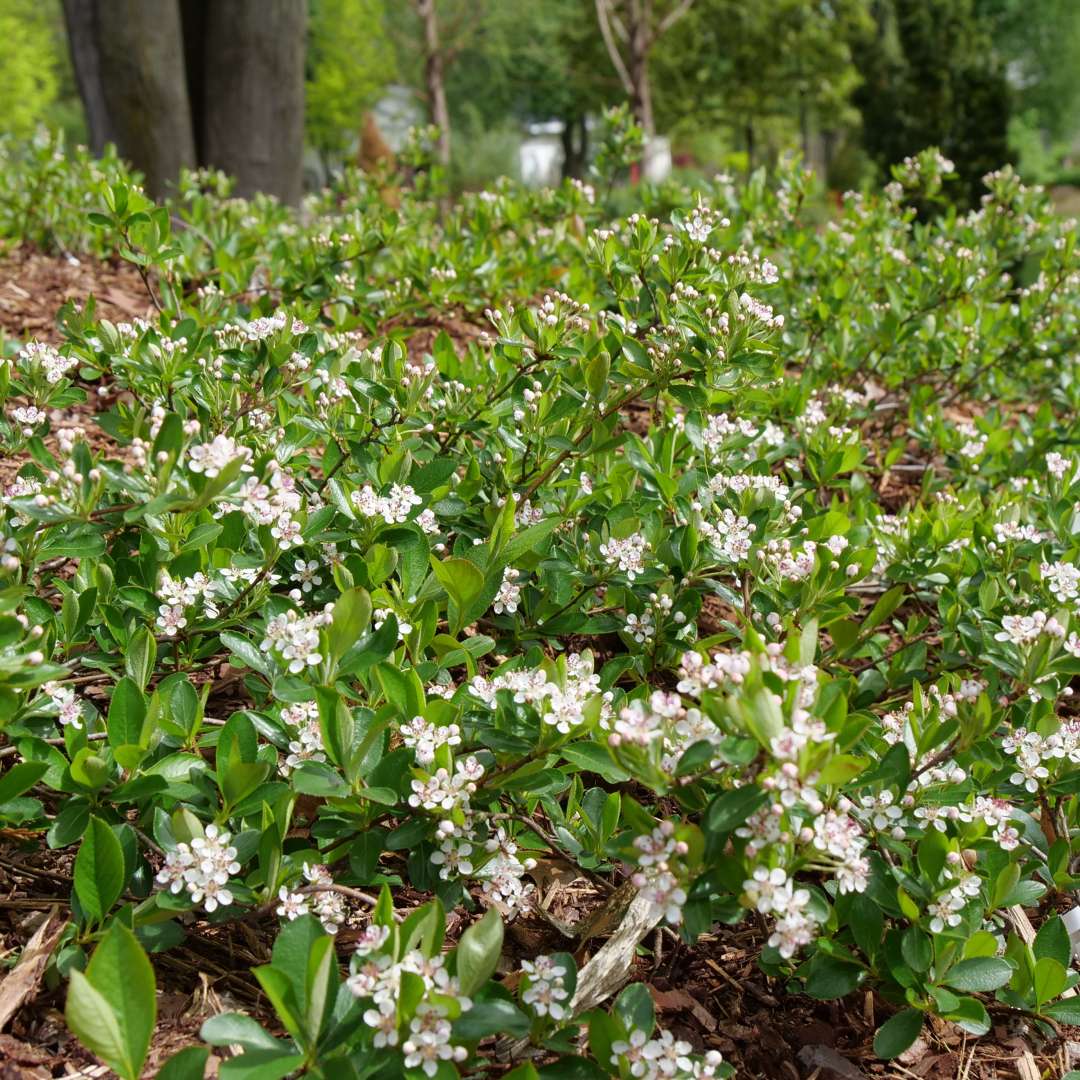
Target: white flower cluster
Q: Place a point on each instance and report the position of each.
(945, 909)
(772, 892)
(662, 1058)
(444, 790)
(308, 744)
(509, 595)
(655, 877)
(561, 706)
(28, 417)
(274, 503)
(296, 637)
(1031, 751)
(325, 904)
(1062, 580)
(730, 535)
(545, 987)
(377, 978)
(177, 595)
(213, 457)
(203, 868)
(838, 836)
(701, 221)
(69, 708)
(1023, 630)
(627, 555)
(37, 354)
(424, 738)
(719, 428)
(393, 508)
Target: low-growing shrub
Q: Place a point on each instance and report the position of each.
(726, 560)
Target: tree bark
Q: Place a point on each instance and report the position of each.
(253, 125)
(193, 21)
(641, 41)
(434, 78)
(80, 20)
(143, 86)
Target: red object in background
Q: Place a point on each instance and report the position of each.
(635, 172)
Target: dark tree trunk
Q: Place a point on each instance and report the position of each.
(193, 20)
(254, 93)
(575, 143)
(80, 19)
(145, 91)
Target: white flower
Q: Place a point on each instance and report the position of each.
(292, 905)
(509, 594)
(627, 555)
(429, 1040)
(546, 989)
(211, 458)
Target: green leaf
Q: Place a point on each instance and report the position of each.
(916, 949)
(732, 808)
(20, 778)
(227, 1029)
(898, 1033)
(127, 711)
(1050, 979)
(1052, 941)
(1066, 1011)
(112, 1009)
(90, 1017)
(970, 1015)
(351, 618)
(260, 1065)
(828, 977)
(187, 1064)
(99, 870)
(246, 653)
(139, 658)
(336, 725)
(462, 581)
(322, 984)
(478, 952)
(495, 1017)
(634, 1007)
(979, 973)
(278, 988)
(596, 759)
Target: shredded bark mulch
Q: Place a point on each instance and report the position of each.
(35, 285)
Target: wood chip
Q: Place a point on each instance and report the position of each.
(21, 983)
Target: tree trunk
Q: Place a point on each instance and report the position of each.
(641, 100)
(253, 57)
(80, 19)
(575, 144)
(193, 20)
(433, 78)
(144, 89)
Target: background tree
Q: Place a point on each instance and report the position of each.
(535, 62)
(931, 77)
(350, 61)
(31, 80)
(185, 82)
(631, 29)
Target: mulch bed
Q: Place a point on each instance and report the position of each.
(34, 286)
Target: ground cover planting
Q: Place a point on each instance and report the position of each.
(442, 626)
